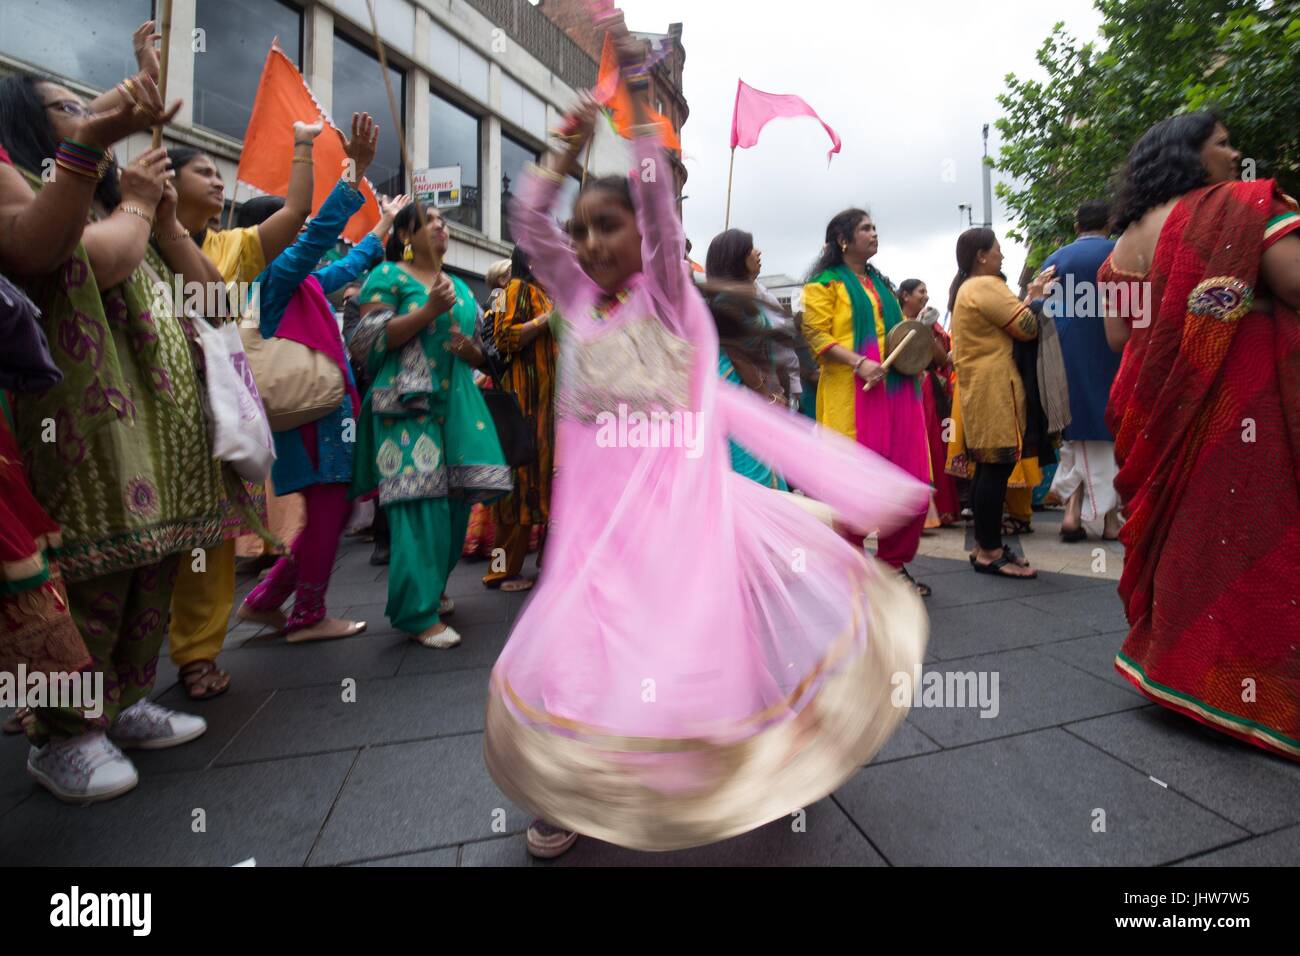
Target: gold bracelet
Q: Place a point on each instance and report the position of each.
(135, 211)
(183, 234)
(302, 159)
(77, 170)
(546, 173)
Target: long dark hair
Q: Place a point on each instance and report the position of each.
(727, 254)
(520, 267)
(620, 186)
(839, 229)
(28, 135)
(969, 245)
(1166, 162)
(907, 287)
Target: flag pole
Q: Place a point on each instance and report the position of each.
(392, 109)
(730, 171)
(163, 57)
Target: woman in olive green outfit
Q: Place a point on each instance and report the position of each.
(425, 439)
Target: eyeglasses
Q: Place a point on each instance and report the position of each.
(71, 107)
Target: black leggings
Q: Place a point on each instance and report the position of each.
(988, 491)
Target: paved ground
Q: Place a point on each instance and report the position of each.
(290, 774)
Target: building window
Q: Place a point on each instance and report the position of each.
(236, 37)
(514, 157)
(359, 88)
(86, 42)
(454, 141)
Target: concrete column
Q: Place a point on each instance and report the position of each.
(318, 54)
(490, 138)
(417, 117)
(180, 59)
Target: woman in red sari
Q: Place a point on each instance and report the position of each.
(1201, 294)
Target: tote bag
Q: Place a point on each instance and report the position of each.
(241, 434)
(297, 384)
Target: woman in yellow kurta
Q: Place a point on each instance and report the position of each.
(205, 594)
(989, 401)
(849, 308)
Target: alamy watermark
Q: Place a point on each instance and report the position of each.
(653, 429)
(953, 689)
(1129, 300)
(79, 690)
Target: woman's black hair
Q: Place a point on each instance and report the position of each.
(907, 287)
(839, 229)
(727, 254)
(969, 245)
(520, 267)
(1166, 162)
(28, 135)
(257, 210)
(618, 185)
(182, 156)
(407, 222)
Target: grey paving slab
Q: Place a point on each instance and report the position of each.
(956, 590)
(317, 719)
(416, 796)
(275, 664)
(924, 564)
(271, 811)
(1279, 848)
(480, 646)
(906, 741)
(1094, 654)
(446, 857)
(1017, 690)
(1103, 612)
(827, 838)
(996, 626)
(1254, 789)
(15, 785)
(1026, 800)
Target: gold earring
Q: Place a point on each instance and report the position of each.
(407, 254)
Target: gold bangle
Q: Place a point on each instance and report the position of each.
(135, 211)
(302, 159)
(183, 234)
(77, 170)
(546, 173)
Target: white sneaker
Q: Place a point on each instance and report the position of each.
(146, 726)
(84, 769)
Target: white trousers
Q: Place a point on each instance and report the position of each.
(1092, 465)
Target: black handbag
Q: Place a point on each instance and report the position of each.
(514, 431)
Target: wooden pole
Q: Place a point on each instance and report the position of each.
(163, 58)
(397, 119)
(727, 223)
(586, 160)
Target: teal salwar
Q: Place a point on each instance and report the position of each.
(742, 462)
(426, 539)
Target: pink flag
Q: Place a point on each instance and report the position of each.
(754, 108)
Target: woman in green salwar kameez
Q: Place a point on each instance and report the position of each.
(425, 439)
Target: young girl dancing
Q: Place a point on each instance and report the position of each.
(702, 655)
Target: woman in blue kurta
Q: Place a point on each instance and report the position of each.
(314, 459)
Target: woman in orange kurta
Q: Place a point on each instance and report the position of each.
(520, 330)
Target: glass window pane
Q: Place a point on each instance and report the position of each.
(236, 37)
(454, 141)
(359, 88)
(514, 156)
(87, 42)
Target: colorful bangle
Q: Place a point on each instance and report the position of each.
(83, 160)
(135, 211)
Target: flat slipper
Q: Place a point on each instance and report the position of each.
(995, 568)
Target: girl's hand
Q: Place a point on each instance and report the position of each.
(146, 54)
(134, 114)
(143, 180)
(870, 372)
(459, 344)
(390, 207)
(361, 146)
(307, 132)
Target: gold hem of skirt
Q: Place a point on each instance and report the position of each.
(575, 784)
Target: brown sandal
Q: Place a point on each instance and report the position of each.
(204, 680)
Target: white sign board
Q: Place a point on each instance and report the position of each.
(439, 185)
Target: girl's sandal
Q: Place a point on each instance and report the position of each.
(204, 680)
(515, 585)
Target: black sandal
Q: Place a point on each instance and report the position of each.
(1012, 526)
(1078, 534)
(995, 567)
(1010, 552)
(921, 589)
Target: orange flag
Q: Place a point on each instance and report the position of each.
(613, 95)
(284, 98)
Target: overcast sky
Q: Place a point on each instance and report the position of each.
(907, 84)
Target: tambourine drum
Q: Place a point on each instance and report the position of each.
(914, 356)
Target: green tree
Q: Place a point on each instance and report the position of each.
(1064, 137)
